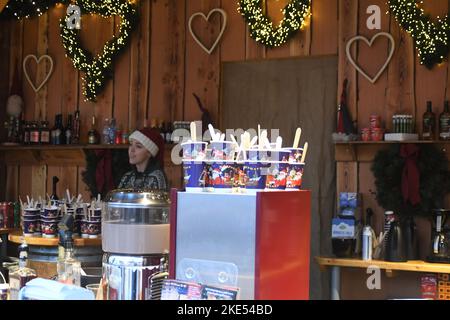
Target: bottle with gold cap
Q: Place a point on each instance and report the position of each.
(93, 134)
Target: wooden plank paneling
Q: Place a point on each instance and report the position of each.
(202, 71)
(30, 39)
(431, 84)
(12, 183)
(324, 26)
(371, 97)
(348, 27)
(274, 12)
(232, 45)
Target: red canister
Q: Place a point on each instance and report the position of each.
(365, 134)
(375, 121)
(377, 134)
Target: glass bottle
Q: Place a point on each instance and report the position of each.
(153, 124)
(69, 130)
(69, 268)
(162, 130)
(76, 128)
(57, 130)
(19, 277)
(105, 132)
(34, 133)
(93, 134)
(169, 132)
(112, 131)
(26, 133)
(54, 196)
(45, 133)
(444, 123)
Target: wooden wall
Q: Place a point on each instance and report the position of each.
(154, 78)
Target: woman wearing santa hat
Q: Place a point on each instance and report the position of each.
(146, 153)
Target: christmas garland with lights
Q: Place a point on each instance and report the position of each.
(262, 29)
(21, 9)
(432, 164)
(430, 39)
(99, 69)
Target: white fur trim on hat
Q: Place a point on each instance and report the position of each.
(146, 142)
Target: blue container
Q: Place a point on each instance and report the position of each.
(255, 175)
(295, 176)
(276, 175)
(195, 174)
(221, 175)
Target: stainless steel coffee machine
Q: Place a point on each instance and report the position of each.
(440, 237)
(135, 239)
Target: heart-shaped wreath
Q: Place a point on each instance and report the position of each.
(99, 69)
(261, 28)
(430, 39)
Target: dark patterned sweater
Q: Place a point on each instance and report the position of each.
(152, 178)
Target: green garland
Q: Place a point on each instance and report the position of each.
(431, 40)
(261, 28)
(20, 9)
(432, 164)
(99, 70)
(120, 165)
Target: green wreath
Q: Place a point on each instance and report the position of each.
(261, 28)
(431, 40)
(432, 164)
(98, 70)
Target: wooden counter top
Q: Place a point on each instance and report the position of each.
(6, 230)
(414, 265)
(16, 237)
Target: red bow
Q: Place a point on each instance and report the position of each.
(103, 172)
(411, 174)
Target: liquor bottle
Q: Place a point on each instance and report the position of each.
(69, 268)
(57, 132)
(26, 133)
(69, 130)
(34, 133)
(112, 131)
(19, 277)
(162, 129)
(154, 124)
(54, 196)
(169, 131)
(45, 133)
(93, 134)
(76, 128)
(444, 123)
(105, 132)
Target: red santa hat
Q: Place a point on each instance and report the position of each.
(152, 141)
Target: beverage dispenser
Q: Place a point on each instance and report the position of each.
(135, 239)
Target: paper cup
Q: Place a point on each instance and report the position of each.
(195, 175)
(276, 176)
(220, 176)
(255, 175)
(29, 227)
(294, 176)
(90, 229)
(221, 150)
(295, 154)
(49, 228)
(51, 212)
(194, 151)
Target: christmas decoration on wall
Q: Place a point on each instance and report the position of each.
(262, 29)
(99, 69)
(430, 39)
(20, 9)
(411, 179)
(224, 24)
(369, 43)
(49, 72)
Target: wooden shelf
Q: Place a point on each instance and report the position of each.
(66, 155)
(415, 266)
(17, 236)
(365, 151)
(6, 230)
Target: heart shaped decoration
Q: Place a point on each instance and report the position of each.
(369, 43)
(99, 69)
(32, 56)
(200, 14)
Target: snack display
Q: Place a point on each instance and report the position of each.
(226, 166)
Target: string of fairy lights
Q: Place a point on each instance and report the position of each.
(430, 39)
(261, 27)
(21, 9)
(99, 69)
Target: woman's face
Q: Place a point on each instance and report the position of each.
(137, 153)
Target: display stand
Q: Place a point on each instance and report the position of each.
(259, 242)
(43, 252)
